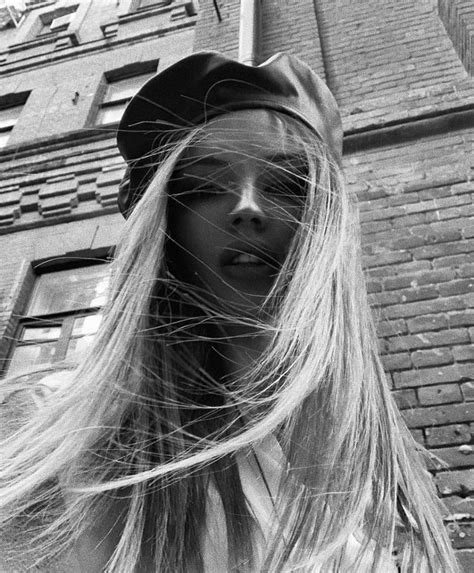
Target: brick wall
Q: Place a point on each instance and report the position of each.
(218, 27)
(280, 20)
(417, 212)
(390, 59)
(286, 26)
(407, 100)
(403, 82)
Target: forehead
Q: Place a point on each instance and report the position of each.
(247, 134)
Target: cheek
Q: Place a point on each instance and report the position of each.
(194, 229)
(286, 219)
(194, 232)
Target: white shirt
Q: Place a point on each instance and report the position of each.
(260, 490)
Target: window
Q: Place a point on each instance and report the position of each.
(8, 118)
(118, 93)
(52, 23)
(10, 109)
(62, 317)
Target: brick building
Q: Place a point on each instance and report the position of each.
(402, 74)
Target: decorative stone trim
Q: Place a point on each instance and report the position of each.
(58, 196)
(107, 184)
(129, 13)
(9, 205)
(26, 36)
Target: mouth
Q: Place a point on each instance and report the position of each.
(247, 262)
(247, 259)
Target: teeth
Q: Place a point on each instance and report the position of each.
(245, 259)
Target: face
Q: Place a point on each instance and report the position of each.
(235, 204)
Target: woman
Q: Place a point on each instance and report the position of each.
(232, 414)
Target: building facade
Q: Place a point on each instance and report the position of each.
(402, 74)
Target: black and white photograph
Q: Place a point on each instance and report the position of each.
(236, 286)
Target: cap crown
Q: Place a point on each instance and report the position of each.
(205, 85)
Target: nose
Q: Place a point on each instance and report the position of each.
(248, 209)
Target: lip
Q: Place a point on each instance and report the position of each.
(268, 267)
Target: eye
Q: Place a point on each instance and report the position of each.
(192, 187)
(288, 188)
(207, 190)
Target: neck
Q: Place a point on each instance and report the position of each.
(241, 350)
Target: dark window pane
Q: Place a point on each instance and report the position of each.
(27, 357)
(70, 290)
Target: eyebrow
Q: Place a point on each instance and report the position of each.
(293, 159)
(210, 161)
(295, 164)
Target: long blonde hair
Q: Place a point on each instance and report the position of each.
(132, 423)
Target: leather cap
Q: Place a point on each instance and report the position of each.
(208, 84)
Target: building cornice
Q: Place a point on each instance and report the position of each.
(368, 136)
(401, 131)
(37, 61)
(42, 185)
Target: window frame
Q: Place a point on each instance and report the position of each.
(52, 32)
(47, 19)
(7, 102)
(63, 319)
(144, 70)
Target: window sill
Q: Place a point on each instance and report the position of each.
(68, 38)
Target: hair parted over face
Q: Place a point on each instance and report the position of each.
(236, 201)
(245, 213)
